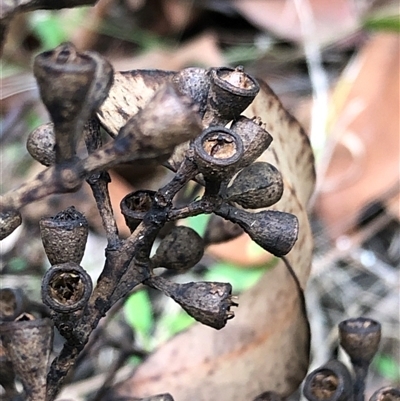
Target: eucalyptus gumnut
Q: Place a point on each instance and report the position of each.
(331, 381)
(255, 138)
(64, 236)
(231, 92)
(71, 81)
(27, 343)
(41, 144)
(386, 394)
(135, 205)
(256, 186)
(360, 338)
(274, 231)
(207, 302)
(217, 153)
(169, 119)
(9, 221)
(66, 288)
(195, 83)
(180, 250)
(72, 86)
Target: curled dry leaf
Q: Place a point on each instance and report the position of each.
(130, 92)
(266, 346)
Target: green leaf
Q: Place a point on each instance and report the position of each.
(387, 367)
(173, 323)
(198, 223)
(17, 264)
(383, 23)
(49, 28)
(139, 314)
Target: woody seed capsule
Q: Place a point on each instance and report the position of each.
(180, 250)
(64, 236)
(41, 144)
(217, 153)
(256, 186)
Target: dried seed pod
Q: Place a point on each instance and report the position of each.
(195, 83)
(360, 338)
(255, 138)
(12, 303)
(135, 205)
(217, 153)
(66, 288)
(168, 120)
(64, 236)
(274, 231)
(330, 382)
(9, 221)
(41, 144)
(268, 396)
(231, 92)
(220, 230)
(256, 186)
(207, 302)
(72, 85)
(386, 394)
(27, 343)
(180, 250)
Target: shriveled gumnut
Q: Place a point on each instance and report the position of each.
(217, 153)
(135, 205)
(66, 288)
(195, 83)
(386, 394)
(268, 396)
(220, 230)
(207, 302)
(360, 338)
(330, 382)
(41, 144)
(274, 231)
(72, 86)
(169, 119)
(231, 92)
(180, 250)
(256, 186)
(12, 303)
(64, 236)
(27, 343)
(255, 138)
(9, 221)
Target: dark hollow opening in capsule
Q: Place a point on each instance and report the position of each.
(324, 385)
(66, 288)
(220, 146)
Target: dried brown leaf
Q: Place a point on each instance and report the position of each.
(266, 346)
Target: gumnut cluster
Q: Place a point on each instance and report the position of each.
(191, 122)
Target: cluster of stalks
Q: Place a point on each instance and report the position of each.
(360, 338)
(184, 127)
